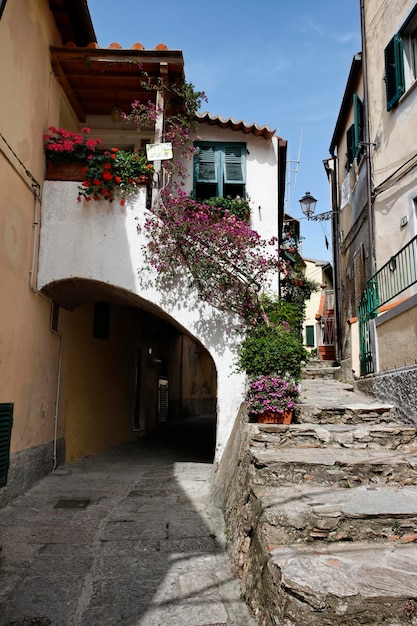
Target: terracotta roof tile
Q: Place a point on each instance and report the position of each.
(221, 122)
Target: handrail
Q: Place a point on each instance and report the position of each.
(397, 275)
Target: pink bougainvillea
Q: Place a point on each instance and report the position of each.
(227, 262)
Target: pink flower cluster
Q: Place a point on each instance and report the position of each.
(271, 394)
(226, 261)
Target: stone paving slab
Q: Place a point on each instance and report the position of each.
(317, 396)
(332, 456)
(358, 502)
(324, 584)
(340, 467)
(365, 435)
(334, 393)
(301, 513)
(147, 550)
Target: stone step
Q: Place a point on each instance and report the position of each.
(344, 584)
(304, 514)
(345, 414)
(364, 435)
(323, 371)
(338, 467)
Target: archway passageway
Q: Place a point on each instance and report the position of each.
(128, 368)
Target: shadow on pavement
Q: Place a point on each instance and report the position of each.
(126, 537)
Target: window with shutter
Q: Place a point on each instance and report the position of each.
(310, 336)
(359, 125)
(394, 71)
(354, 134)
(219, 170)
(6, 420)
(400, 57)
(233, 167)
(206, 170)
(350, 141)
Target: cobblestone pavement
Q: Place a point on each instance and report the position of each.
(126, 537)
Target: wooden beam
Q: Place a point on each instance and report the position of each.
(104, 55)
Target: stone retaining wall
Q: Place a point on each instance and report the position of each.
(399, 387)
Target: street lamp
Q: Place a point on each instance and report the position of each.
(308, 206)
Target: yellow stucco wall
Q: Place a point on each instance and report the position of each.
(29, 352)
(100, 382)
(199, 381)
(397, 340)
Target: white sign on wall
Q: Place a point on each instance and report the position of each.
(158, 151)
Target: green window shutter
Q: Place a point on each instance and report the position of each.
(233, 164)
(6, 420)
(358, 120)
(350, 141)
(205, 164)
(310, 336)
(394, 71)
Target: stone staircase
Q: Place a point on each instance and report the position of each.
(322, 513)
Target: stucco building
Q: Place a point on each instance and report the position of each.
(374, 198)
(91, 353)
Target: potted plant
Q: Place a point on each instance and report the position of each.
(113, 173)
(66, 152)
(271, 399)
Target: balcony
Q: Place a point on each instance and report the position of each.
(394, 278)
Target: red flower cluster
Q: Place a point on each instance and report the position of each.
(114, 173)
(63, 145)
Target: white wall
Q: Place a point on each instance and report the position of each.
(100, 241)
(261, 175)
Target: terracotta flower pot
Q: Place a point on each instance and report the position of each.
(64, 170)
(272, 417)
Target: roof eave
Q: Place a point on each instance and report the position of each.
(354, 75)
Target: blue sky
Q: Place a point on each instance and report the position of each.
(276, 62)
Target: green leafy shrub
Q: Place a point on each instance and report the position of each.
(279, 311)
(236, 206)
(272, 350)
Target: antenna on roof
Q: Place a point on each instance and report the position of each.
(292, 169)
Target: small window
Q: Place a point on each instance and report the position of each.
(310, 336)
(355, 133)
(394, 71)
(219, 170)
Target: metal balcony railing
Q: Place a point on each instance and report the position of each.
(397, 275)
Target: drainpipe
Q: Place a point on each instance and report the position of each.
(368, 163)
